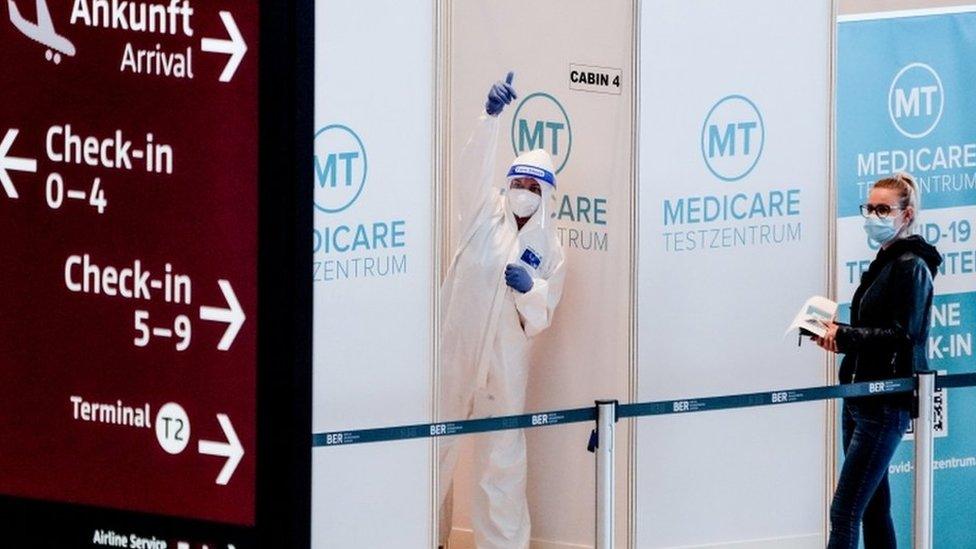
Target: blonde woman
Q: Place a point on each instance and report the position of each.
(886, 339)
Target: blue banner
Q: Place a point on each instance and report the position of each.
(906, 102)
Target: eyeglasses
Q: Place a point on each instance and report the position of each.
(880, 211)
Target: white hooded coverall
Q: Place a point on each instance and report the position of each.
(486, 327)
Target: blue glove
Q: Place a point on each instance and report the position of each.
(500, 94)
(518, 278)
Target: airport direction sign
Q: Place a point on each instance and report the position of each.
(128, 261)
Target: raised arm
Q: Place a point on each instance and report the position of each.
(473, 179)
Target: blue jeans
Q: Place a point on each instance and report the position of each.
(871, 431)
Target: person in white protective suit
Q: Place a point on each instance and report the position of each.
(501, 289)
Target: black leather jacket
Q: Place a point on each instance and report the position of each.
(888, 334)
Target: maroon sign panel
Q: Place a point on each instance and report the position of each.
(128, 254)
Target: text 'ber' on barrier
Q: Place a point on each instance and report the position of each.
(606, 413)
(577, 415)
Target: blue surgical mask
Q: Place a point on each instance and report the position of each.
(880, 230)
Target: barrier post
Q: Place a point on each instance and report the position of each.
(924, 448)
(606, 420)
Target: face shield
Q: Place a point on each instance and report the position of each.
(536, 165)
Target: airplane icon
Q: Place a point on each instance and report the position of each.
(42, 32)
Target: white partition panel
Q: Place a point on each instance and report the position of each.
(733, 179)
(373, 268)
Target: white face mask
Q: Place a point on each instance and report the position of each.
(522, 202)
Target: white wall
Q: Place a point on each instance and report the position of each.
(711, 320)
(372, 348)
(585, 354)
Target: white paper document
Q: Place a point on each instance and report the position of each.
(815, 309)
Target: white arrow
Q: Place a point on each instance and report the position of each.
(234, 316)
(12, 163)
(235, 46)
(232, 449)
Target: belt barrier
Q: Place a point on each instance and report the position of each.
(427, 430)
(606, 413)
(955, 380)
(657, 408)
